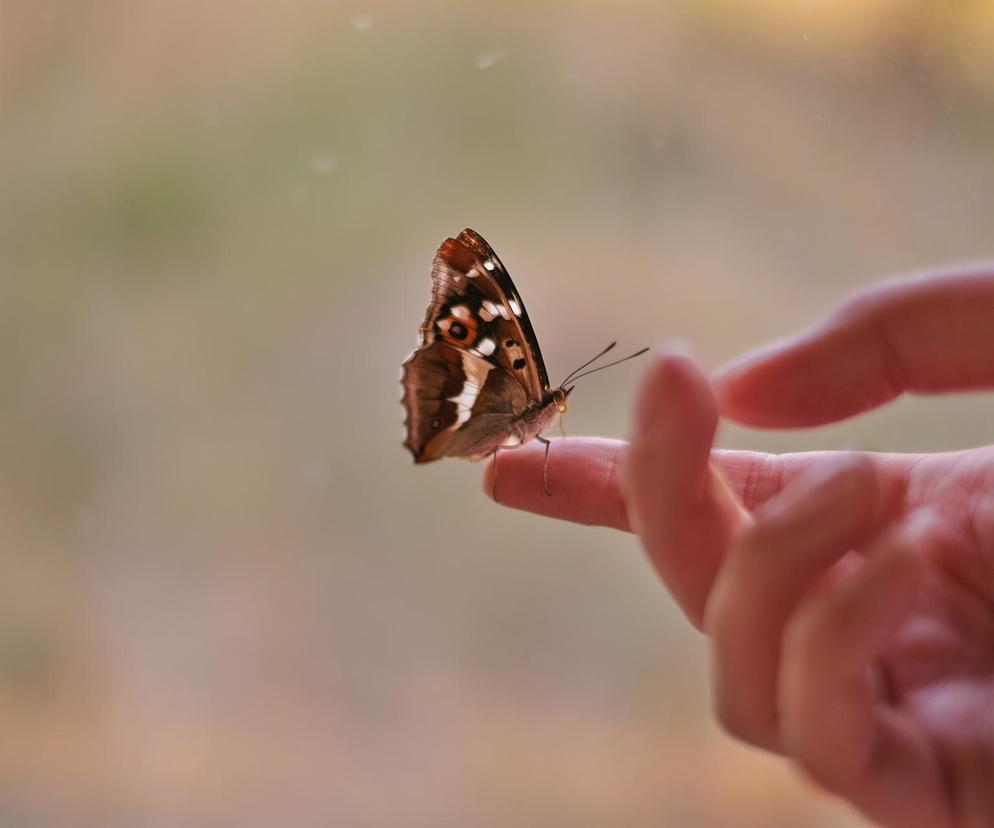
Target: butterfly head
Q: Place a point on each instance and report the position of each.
(559, 396)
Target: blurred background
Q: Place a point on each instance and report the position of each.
(227, 597)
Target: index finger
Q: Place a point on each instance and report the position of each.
(585, 485)
(924, 335)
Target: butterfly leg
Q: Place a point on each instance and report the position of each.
(545, 464)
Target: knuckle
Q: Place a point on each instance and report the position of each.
(866, 303)
(855, 307)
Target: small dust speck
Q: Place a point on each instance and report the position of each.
(362, 22)
(489, 58)
(321, 162)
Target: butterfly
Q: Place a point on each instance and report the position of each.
(477, 382)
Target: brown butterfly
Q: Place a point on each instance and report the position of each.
(477, 382)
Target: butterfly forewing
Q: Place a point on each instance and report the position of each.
(475, 306)
(478, 367)
(498, 274)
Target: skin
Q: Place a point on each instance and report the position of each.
(847, 598)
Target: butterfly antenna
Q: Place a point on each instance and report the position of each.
(609, 365)
(585, 364)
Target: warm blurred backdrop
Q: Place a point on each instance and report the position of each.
(227, 597)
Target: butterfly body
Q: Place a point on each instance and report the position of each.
(477, 381)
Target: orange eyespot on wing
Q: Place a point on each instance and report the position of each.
(460, 328)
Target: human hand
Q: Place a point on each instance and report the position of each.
(848, 598)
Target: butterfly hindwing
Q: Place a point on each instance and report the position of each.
(457, 403)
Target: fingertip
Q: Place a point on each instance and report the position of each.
(832, 720)
(673, 383)
(675, 421)
(730, 373)
(582, 477)
(841, 629)
(850, 622)
(764, 388)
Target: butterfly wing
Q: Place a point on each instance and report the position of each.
(496, 274)
(478, 368)
(458, 404)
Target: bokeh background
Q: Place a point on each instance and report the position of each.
(227, 597)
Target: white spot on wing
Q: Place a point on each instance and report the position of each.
(476, 371)
(486, 346)
(489, 310)
(489, 265)
(464, 401)
(515, 306)
(460, 312)
(471, 273)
